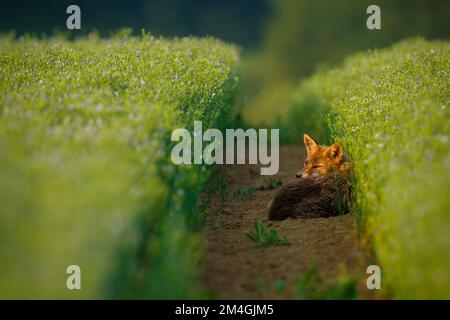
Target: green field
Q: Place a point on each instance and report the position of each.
(390, 110)
(85, 170)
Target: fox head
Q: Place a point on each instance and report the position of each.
(321, 159)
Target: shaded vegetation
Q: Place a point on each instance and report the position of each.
(314, 286)
(85, 170)
(389, 109)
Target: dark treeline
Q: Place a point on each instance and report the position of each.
(231, 20)
(294, 36)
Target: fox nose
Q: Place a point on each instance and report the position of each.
(298, 175)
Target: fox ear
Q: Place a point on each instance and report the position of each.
(335, 151)
(310, 144)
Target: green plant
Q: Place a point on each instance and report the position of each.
(279, 285)
(262, 236)
(216, 224)
(245, 193)
(223, 192)
(270, 184)
(313, 286)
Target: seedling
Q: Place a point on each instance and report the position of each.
(262, 236)
(245, 193)
(216, 224)
(270, 184)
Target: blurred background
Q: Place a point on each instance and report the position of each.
(282, 40)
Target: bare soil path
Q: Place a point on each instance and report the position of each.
(233, 268)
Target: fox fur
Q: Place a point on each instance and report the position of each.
(326, 195)
(321, 189)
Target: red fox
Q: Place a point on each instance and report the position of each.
(321, 160)
(323, 188)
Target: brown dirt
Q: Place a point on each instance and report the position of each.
(233, 268)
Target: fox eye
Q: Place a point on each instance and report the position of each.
(317, 166)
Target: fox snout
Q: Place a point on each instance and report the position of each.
(300, 174)
(305, 175)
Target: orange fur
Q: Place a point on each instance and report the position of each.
(321, 160)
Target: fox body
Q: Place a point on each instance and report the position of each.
(321, 188)
(312, 197)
